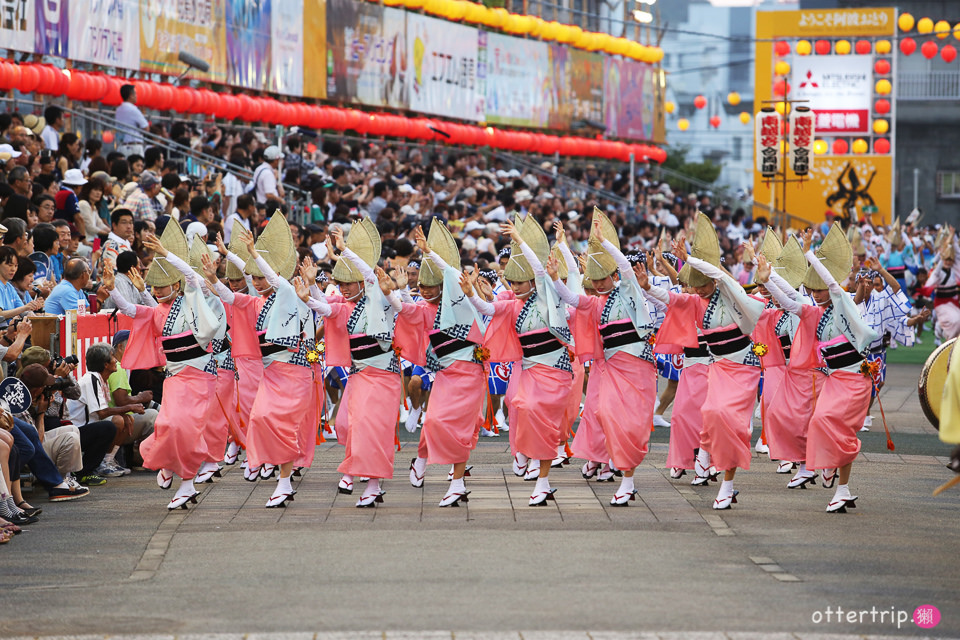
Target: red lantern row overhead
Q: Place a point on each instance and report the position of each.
(99, 87)
(768, 142)
(801, 140)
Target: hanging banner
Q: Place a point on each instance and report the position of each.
(52, 33)
(104, 32)
(367, 57)
(559, 105)
(166, 28)
(801, 140)
(514, 72)
(629, 98)
(443, 56)
(586, 84)
(17, 21)
(286, 48)
(248, 43)
(839, 89)
(768, 143)
(316, 56)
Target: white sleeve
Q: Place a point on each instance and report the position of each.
(236, 261)
(406, 297)
(226, 293)
(565, 294)
(658, 293)
(125, 306)
(362, 267)
(657, 303)
(191, 276)
(395, 302)
(626, 269)
(783, 285)
(823, 273)
(320, 305)
(437, 260)
(534, 261)
(485, 308)
(706, 268)
(572, 265)
(273, 279)
(793, 305)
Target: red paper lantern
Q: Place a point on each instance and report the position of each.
(99, 85)
(863, 47)
(185, 97)
(881, 145)
(882, 106)
(334, 118)
(79, 86)
(48, 79)
(929, 49)
(63, 83)
(908, 46)
(166, 94)
(840, 147)
(699, 102)
(822, 47)
(882, 67)
(781, 88)
(948, 53)
(782, 48)
(715, 122)
(29, 78)
(107, 137)
(111, 97)
(9, 75)
(249, 108)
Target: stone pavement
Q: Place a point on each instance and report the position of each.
(668, 566)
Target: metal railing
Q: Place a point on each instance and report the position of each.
(929, 85)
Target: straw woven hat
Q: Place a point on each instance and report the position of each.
(600, 263)
(364, 240)
(771, 247)
(561, 262)
(706, 246)
(238, 248)
(855, 238)
(276, 247)
(161, 272)
(836, 255)
(791, 265)
(441, 241)
(195, 257)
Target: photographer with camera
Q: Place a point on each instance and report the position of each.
(12, 341)
(93, 408)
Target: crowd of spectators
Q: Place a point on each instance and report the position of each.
(69, 206)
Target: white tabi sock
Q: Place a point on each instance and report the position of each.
(186, 488)
(626, 485)
(726, 489)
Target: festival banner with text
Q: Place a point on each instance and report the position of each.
(105, 32)
(248, 43)
(515, 77)
(628, 98)
(443, 57)
(367, 60)
(17, 21)
(317, 59)
(52, 30)
(286, 43)
(166, 28)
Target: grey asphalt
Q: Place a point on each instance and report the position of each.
(117, 564)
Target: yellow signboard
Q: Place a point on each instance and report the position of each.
(315, 48)
(849, 185)
(166, 28)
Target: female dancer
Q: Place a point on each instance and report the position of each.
(628, 385)
(834, 331)
(447, 331)
(283, 419)
(359, 333)
(184, 325)
(725, 315)
(531, 328)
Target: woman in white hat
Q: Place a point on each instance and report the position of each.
(184, 325)
(529, 326)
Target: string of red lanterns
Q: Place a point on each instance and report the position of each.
(99, 87)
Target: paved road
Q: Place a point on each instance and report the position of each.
(117, 563)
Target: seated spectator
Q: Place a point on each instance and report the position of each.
(14, 232)
(93, 406)
(64, 296)
(30, 448)
(62, 442)
(90, 196)
(121, 394)
(46, 208)
(67, 199)
(11, 305)
(129, 283)
(26, 285)
(46, 253)
(143, 201)
(120, 238)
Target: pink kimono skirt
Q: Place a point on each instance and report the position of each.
(222, 417)
(309, 423)
(573, 402)
(589, 442)
(285, 394)
(537, 400)
(625, 411)
(686, 421)
(840, 409)
(371, 405)
(452, 425)
(787, 416)
(727, 411)
(177, 442)
(250, 371)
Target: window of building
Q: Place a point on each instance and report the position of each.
(948, 184)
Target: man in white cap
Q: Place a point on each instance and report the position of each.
(67, 204)
(265, 185)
